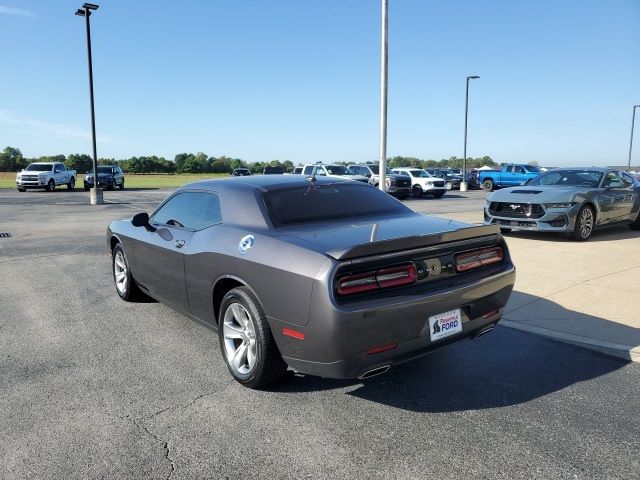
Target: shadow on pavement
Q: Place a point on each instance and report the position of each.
(506, 367)
(618, 232)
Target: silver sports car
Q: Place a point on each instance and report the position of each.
(573, 200)
(328, 277)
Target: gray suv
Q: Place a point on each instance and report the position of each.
(396, 184)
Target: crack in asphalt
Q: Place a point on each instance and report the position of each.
(187, 405)
(143, 428)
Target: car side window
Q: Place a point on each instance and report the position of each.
(211, 213)
(613, 180)
(519, 169)
(57, 169)
(181, 210)
(320, 171)
(510, 169)
(307, 170)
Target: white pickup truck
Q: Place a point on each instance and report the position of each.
(45, 175)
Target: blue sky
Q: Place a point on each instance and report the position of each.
(299, 80)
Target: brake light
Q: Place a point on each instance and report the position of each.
(478, 258)
(377, 279)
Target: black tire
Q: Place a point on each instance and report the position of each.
(487, 185)
(635, 225)
(72, 184)
(51, 186)
(268, 366)
(448, 185)
(86, 189)
(113, 185)
(122, 185)
(131, 292)
(585, 224)
(22, 189)
(417, 191)
(438, 195)
(504, 230)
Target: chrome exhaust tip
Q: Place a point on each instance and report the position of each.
(374, 372)
(485, 330)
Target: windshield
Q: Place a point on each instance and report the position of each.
(338, 170)
(586, 178)
(532, 168)
(419, 173)
(376, 169)
(104, 170)
(39, 167)
(320, 203)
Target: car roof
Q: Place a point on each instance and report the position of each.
(261, 182)
(588, 169)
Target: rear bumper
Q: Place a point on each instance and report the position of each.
(336, 342)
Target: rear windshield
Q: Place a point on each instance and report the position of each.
(320, 203)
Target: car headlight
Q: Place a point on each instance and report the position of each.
(559, 205)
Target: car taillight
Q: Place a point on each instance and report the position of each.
(377, 279)
(478, 258)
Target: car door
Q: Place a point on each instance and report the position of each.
(58, 174)
(617, 198)
(159, 251)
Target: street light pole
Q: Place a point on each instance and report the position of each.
(96, 193)
(633, 120)
(463, 183)
(383, 99)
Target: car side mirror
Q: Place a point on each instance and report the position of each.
(140, 219)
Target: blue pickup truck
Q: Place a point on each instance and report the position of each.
(508, 176)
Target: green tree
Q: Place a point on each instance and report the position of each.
(80, 162)
(11, 160)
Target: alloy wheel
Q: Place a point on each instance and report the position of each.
(585, 222)
(120, 273)
(239, 338)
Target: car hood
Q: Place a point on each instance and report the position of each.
(356, 239)
(539, 194)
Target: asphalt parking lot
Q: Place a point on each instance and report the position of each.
(93, 387)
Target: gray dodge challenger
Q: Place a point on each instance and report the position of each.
(572, 200)
(326, 277)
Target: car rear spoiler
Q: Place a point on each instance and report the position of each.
(412, 242)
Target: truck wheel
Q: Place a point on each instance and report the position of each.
(86, 189)
(22, 189)
(122, 185)
(585, 224)
(487, 185)
(51, 186)
(126, 286)
(417, 191)
(72, 184)
(246, 342)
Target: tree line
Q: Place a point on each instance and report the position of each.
(12, 160)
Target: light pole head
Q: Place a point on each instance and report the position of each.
(80, 12)
(90, 6)
(472, 77)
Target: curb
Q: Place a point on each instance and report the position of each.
(625, 352)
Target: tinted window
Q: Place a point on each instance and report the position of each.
(586, 178)
(211, 213)
(181, 210)
(39, 167)
(308, 169)
(318, 203)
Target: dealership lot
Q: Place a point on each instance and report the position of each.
(91, 386)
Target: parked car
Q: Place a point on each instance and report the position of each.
(422, 183)
(507, 176)
(397, 185)
(109, 176)
(273, 170)
(451, 181)
(46, 175)
(326, 276)
(241, 172)
(572, 200)
(333, 171)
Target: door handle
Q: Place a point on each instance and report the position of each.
(180, 243)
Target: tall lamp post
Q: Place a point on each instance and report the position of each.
(383, 98)
(463, 183)
(96, 193)
(633, 120)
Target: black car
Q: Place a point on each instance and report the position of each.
(109, 177)
(241, 172)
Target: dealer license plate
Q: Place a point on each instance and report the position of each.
(445, 324)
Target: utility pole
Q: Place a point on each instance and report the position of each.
(633, 120)
(383, 98)
(463, 182)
